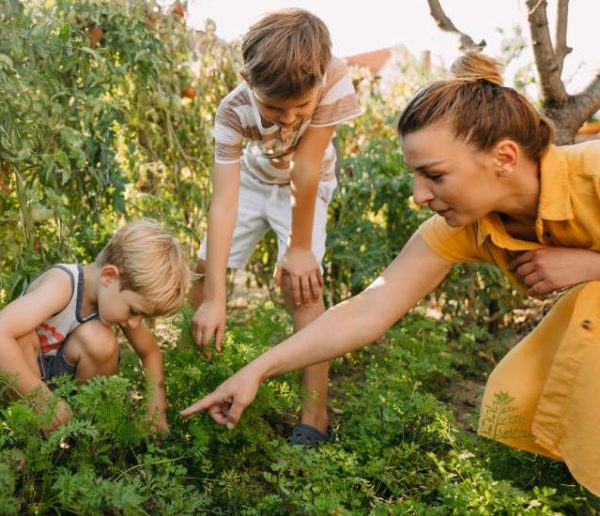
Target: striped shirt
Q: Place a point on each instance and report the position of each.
(269, 153)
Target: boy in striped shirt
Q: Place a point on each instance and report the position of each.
(293, 95)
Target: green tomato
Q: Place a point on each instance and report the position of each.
(71, 18)
(160, 100)
(40, 213)
(175, 103)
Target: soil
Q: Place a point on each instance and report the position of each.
(465, 398)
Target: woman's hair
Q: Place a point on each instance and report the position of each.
(286, 53)
(479, 108)
(151, 263)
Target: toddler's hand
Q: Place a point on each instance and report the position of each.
(304, 273)
(61, 416)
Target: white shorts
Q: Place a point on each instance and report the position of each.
(262, 206)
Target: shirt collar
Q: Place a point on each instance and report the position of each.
(555, 198)
(491, 226)
(554, 203)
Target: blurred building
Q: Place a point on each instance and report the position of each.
(588, 131)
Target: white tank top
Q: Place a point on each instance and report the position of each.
(53, 331)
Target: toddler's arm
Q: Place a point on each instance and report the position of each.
(209, 319)
(19, 319)
(146, 347)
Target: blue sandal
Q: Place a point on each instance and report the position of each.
(309, 436)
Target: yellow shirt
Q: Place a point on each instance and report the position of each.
(544, 396)
(568, 215)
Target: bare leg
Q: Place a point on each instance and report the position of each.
(30, 344)
(30, 347)
(94, 350)
(315, 378)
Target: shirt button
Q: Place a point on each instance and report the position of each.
(586, 324)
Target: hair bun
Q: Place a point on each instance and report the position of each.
(474, 65)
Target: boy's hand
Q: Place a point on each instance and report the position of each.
(159, 428)
(157, 417)
(209, 321)
(548, 269)
(162, 426)
(61, 416)
(304, 274)
(229, 400)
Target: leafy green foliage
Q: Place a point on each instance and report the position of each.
(398, 448)
(106, 115)
(97, 126)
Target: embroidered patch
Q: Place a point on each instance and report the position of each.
(501, 420)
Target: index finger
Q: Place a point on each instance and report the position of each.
(278, 275)
(219, 338)
(197, 333)
(208, 401)
(305, 289)
(207, 335)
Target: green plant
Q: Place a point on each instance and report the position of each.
(97, 125)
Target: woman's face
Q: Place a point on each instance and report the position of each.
(450, 176)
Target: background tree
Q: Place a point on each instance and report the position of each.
(568, 111)
(106, 115)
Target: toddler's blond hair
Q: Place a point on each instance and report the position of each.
(151, 263)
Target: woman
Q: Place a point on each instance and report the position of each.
(483, 160)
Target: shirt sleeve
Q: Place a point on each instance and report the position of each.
(456, 245)
(339, 101)
(228, 134)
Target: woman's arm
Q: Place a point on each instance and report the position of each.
(344, 328)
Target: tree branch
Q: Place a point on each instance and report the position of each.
(570, 116)
(561, 48)
(551, 84)
(445, 23)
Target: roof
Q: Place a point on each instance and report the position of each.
(374, 60)
(589, 131)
